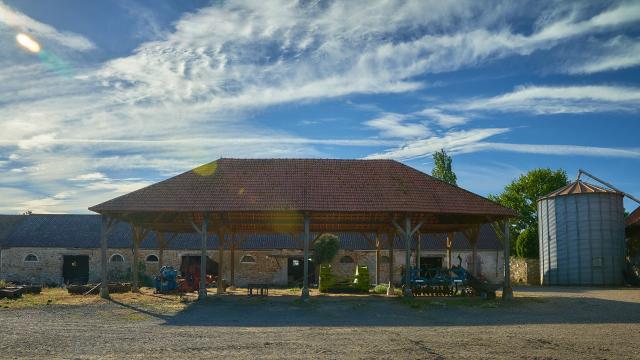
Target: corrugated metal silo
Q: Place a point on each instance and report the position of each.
(581, 236)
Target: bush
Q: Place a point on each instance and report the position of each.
(380, 289)
(527, 243)
(327, 280)
(3, 283)
(143, 279)
(361, 282)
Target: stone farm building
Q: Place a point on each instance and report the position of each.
(52, 249)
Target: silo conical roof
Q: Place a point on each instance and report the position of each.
(579, 187)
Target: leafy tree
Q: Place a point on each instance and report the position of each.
(522, 195)
(442, 167)
(527, 243)
(325, 249)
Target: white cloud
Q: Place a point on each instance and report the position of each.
(617, 53)
(560, 99)
(546, 149)
(452, 141)
(23, 23)
(89, 177)
(396, 126)
(184, 98)
(444, 119)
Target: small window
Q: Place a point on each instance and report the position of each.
(116, 258)
(384, 259)
(247, 259)
(31, 258)
(346, 260)
(152, 258)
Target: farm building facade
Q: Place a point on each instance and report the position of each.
(53, 249)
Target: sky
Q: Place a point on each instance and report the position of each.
(120, 94)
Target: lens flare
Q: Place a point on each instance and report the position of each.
(28, 43)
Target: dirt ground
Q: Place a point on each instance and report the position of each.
(541, 323)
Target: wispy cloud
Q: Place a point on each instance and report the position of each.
(190, 95)
(452, 141)
(21, 22)
(617, 53)
(398, 126)
(560, 99)
(549, 149)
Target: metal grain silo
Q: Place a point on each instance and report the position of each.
(581, 236)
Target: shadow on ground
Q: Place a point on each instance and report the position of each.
(337, 311)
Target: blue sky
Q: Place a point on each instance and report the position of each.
(125, 93)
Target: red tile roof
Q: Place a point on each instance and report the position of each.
(634, 218)
(330, 185)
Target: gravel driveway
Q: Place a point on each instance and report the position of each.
(542, 323)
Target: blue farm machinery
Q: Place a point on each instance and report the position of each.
(167, 280)
(450, 282)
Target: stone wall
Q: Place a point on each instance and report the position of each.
(270, 265)
(525, 271)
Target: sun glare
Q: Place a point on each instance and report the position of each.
(28, 43)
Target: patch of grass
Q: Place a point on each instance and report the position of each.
(59, 296)
(295, 290)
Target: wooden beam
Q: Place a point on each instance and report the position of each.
(202, 291)
(390, 240)
(220, 282)
(472, 235)
(106, 225)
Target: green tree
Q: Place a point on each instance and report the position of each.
(442, 167)
(527, 243)
(325, 249)
(522, 195)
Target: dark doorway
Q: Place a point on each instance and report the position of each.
(75, 269)
(191, 264)
(429, 262)
(295, 271)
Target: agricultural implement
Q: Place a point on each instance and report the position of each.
(456, 281)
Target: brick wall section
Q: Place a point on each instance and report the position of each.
(525, 271)
(270, 266)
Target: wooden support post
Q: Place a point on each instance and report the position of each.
(418, 252)
(202, 291)
(407, 259)
(305, 281)
(232, 264)
(472, 235)
(135, 265)
(161, 246)
(105, 227)
(390, 238)
(507, 291)
(220, 281)
(450, 236)
(378, 247)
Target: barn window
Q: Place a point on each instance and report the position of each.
(346, 260)
(116, 258)
(31, 258)
(152, 258)
(247, 259)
